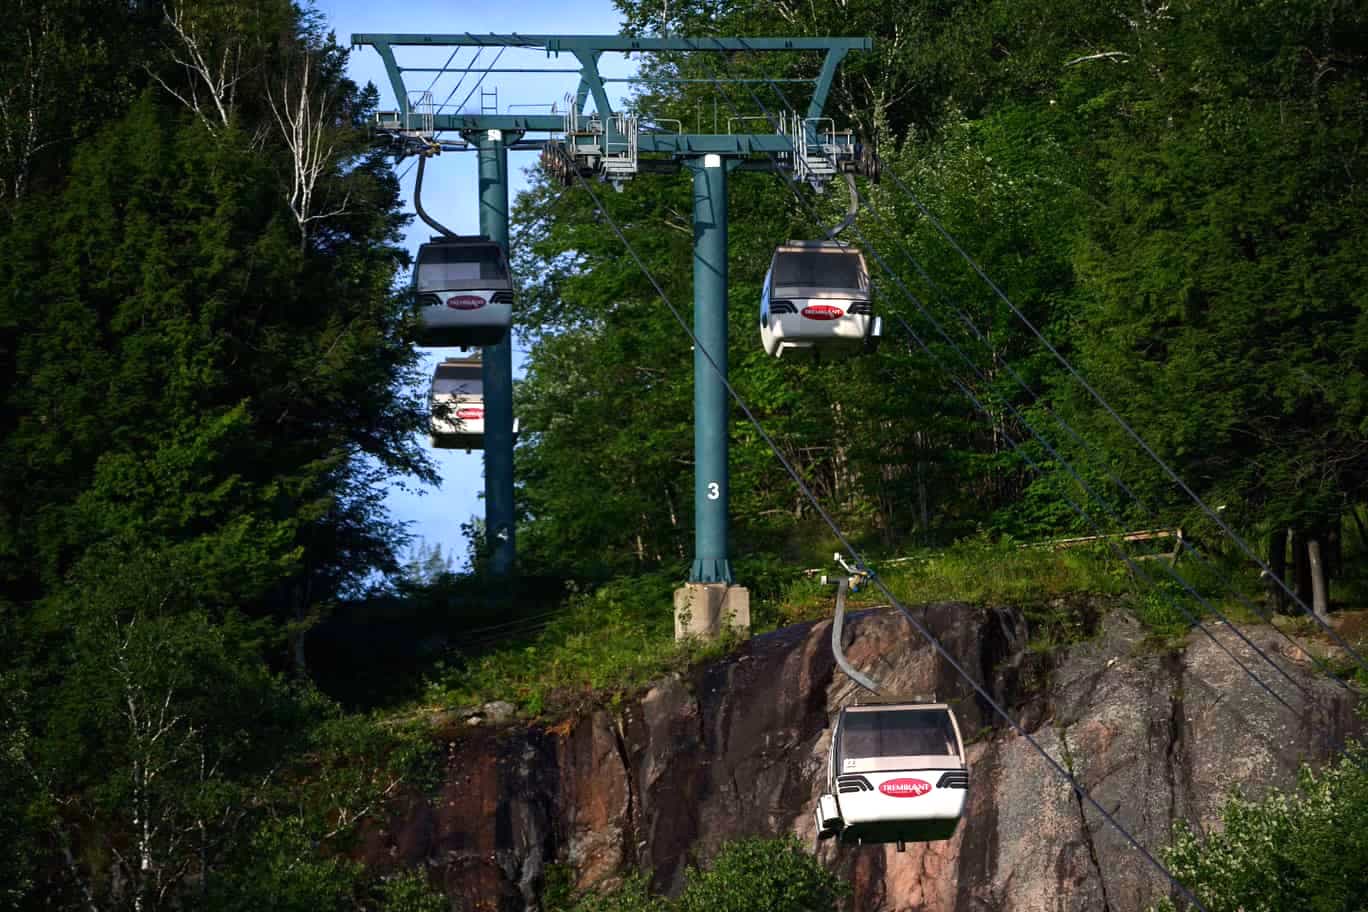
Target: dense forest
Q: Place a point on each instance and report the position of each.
(203, 362)
(1169, 192)
(206, 352)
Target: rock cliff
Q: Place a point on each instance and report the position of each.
(739, 748)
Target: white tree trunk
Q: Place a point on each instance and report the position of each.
(302, 112)
(214, 72)
(26, 104)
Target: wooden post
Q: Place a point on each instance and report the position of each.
(1178, 542)
(1320, 600)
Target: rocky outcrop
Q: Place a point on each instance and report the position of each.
(739, 748)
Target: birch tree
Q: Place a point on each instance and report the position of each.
(28, 95)
(163, 739)
(304, 107)
(211, 64)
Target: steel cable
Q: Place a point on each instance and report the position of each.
(1083, 514)
(1081, 792)
(1125, 425)
(964, 318)
(464, 73)
(479, 82)
(438, 75)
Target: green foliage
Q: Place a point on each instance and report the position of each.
(16, 793)
(200, 406)
(1300, 850)
(762, 875)
(201, 396)
(1223, 271)
(1166, 610)
(983, 571)
(284, 872)
(612, 641)
(410, 892)
(746, 875)
(1173, 211)
(186, 375)
(280, 870)
(633, 894)
(608, 643)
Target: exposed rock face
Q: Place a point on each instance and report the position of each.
(739, 748)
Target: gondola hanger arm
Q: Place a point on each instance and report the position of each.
(857, 579)
(418, 200)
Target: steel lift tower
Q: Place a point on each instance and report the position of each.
(615, 146)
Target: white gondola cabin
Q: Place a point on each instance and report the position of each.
(816, 296)
(464, 292)
(457, 405)
(896, 773)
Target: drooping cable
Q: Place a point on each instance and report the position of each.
(1082, 512)
(963, 316)
(1068, 429)
(1125, 425)
(921, 628)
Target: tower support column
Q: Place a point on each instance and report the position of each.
(709, 600)
(492, 146)
(711, 412)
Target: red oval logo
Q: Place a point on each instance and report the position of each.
(904, 788)
(823, 312)
(470, 414)
(465, 302)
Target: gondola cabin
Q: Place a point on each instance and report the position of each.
(464, 292)
(896, 773)
(457, 405)
(817, 297)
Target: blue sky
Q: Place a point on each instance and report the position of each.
(436, 514)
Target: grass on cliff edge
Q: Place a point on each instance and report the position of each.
(605, 645)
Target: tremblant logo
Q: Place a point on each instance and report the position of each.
(470, 414)
(905, 788)
(823, 312)
(465, 302)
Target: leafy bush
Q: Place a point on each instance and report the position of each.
(410, 892)
(632, 895)
(1307, 850)
(748, 875)
(762, 875)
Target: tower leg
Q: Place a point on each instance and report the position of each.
(709, 601)
(711, 482)
(498, 366)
